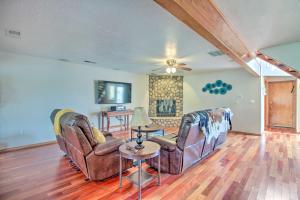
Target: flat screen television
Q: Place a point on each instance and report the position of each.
(109, 92)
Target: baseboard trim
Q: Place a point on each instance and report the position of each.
(244, 133)
(5, 150)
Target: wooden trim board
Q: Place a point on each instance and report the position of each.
(244, 133)
(288, 69)
(27, 146)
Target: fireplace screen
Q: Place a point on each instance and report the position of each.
(166, 108)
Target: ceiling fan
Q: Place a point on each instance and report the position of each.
(172, 66)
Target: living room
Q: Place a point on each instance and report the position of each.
(55, 55)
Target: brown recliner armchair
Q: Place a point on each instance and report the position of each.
(96, 161)
(179, 152)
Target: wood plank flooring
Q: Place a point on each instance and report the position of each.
(246, 167)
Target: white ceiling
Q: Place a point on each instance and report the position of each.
(129, 35)
(263, 23)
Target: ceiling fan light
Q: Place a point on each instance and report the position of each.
(173, 70)
(168, 70)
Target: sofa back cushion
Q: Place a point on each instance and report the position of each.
(189, 131)
(77, 140)
(80, 121)
(193, 124)
(183, 131)
(52, 116)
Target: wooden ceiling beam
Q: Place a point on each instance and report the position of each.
(205, 18)
(288, 69)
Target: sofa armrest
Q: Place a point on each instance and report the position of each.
(108, 147)
(165, 143)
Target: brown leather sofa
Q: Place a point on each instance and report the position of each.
(59, 138)
(179, 152)
(96, 161)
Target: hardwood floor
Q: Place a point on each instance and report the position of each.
(246, 167)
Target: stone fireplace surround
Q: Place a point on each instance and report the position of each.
(166, 90)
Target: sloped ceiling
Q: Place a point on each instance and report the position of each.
(130, 35)
(263, 23)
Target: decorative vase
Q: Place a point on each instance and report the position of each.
(139, 140)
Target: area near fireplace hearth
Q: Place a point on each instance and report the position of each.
(166, 100)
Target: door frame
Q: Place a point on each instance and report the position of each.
(266, 102)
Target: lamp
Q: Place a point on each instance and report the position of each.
(173, 70)
(168, 70)
(140, 118)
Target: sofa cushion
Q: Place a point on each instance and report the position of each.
(184, 129)
(99, 136)
(82, 122)
(76, 140)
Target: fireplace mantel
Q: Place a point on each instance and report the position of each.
(167, 121)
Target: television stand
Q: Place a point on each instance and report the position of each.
(106, 115)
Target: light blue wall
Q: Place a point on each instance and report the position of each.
(288, 54)
(244, 99)
(30, 88)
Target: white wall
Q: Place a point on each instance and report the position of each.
(244, 99)
(298, 106)
(31, 87)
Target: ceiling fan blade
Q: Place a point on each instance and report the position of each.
(153, 74)
(157, 64)
(184, 68)
(157, 69)
(181, 64)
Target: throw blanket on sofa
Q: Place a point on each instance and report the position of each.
(56, 123)
(214, 122)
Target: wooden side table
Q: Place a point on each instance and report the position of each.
(147, 130)
(140, 177)
(108, 114)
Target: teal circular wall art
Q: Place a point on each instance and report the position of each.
(218, 87)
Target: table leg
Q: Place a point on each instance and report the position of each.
(139, 179)
(99, 119)
(124, 122)
(163, 132)
(127, 124)
(108, 123)
(158, 175)
(102, 122)
(147, 135)
(120, 172)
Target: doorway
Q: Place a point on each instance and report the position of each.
(280, 104)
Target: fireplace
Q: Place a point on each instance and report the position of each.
(166, 108)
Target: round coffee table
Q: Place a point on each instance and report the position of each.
(147, 130)
(150, 150)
